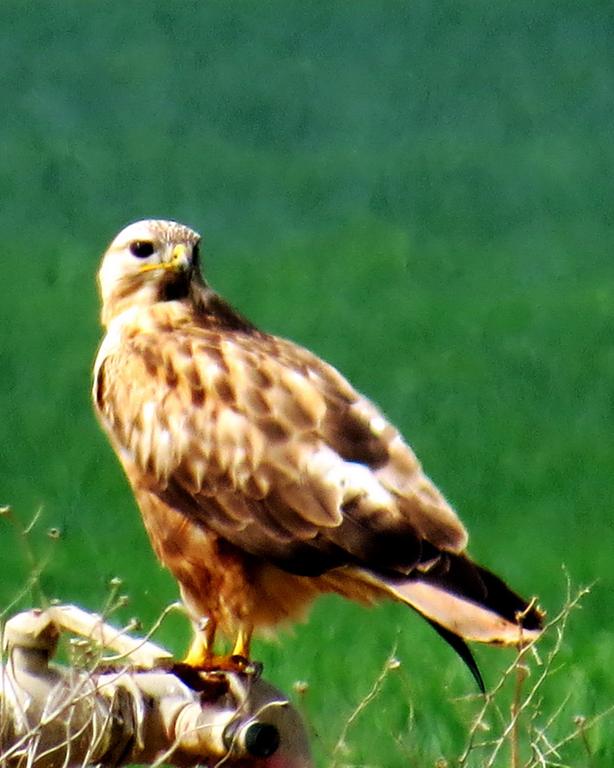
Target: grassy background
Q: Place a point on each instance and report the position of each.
(422, 193)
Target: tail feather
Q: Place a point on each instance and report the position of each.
(465, 602)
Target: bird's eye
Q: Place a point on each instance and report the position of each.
(141, 248)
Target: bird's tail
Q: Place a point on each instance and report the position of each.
(464, 601)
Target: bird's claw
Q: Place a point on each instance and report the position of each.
(217, 666)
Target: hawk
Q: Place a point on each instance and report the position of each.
(263, 478)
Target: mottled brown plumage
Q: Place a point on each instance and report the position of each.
(262, 476)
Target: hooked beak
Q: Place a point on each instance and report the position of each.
(179, 261)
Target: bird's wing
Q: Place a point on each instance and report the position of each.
(272, 448)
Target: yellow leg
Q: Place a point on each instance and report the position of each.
(200, 655)
(200, 652)
(242, 643)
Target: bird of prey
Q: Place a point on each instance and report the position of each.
(263, 478)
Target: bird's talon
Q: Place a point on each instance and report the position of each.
(219, 665)
(246, 666)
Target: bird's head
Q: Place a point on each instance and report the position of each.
(148, 261)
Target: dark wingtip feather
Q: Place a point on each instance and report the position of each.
(461, 648)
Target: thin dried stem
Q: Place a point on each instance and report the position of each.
(527, 703)
(391, 664)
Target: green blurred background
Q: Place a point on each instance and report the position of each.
(422, 193)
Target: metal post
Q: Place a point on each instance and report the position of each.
(53, 715)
